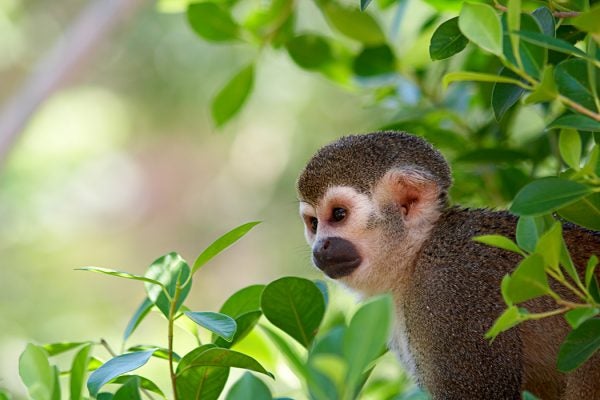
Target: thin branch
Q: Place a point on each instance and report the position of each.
(557, 14)
(66, 59)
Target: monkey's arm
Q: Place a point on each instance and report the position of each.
(446, 317)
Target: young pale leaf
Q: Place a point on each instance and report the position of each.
(575, 121)
(372, 320)
(122, 274)
(481, 25)
(588, 21)
(54, 349)
(212, 21)
(514, 24)
(499, 241)
(310, 51)
(549, 246)
(171, 271)
(528, 281)
(580, 345)
(511, 317)
(137, 318)
(447, 40)
(546, 195)
(296, 306)
(221, 324)
(590, 268)
(222, 243)
(505, 290)
(569, 144)
(249, 387)
(218, 357)
(36, 373)
(79, 368)
(572, 81)
(545, 90)
(116, 366)
(232, 96)
(479, 77)
(130, 390)
(354, 23)
(579, 315)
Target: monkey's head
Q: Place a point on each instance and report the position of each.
(368, 203)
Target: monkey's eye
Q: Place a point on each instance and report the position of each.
(338, 214)
(314, 223)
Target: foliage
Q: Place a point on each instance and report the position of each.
(332, 363)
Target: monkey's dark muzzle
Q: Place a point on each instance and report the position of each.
(336, 257)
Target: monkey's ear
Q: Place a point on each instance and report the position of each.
(415, 193)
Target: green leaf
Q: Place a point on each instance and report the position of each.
(549, 246)
(222, 243)
(373, 61)
(373, 321)
(145, 383)
(550, 42)
(478, 77)
(533, 57)
(116, 366)
(575, 121)
(171, 271)
(36, 373)
(447, 40)
(212, 21)
(511, 317)
(499, 241)
(243, 301)
(528, 281)
(585, 212)
(528, 396)
(481, 25)
(137, 318)
(513, 18)
(130, 390)
(79, 369)
(296, 306)
(493, 155)
(322, 285)
(529, 229)
(198, 382)
(245, 323)
(121, 274)
(4, 395)
(249, 387)
(364, 4)
(505, 95)
(546, 195)
(219, 357)
(221, 324)
(579, 315)
(572, 81)
(232, 96)
(297, 362)
(310, 51)
(54, 349)
(105, 396)
(588, 21)
(579, 346)
(545, 19)
(545, 90)
(589, 270)
(159, 352)
(354, 23)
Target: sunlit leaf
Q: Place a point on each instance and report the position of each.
(578, 316)
(481, 25)
(36, 373)
(511, 317)
(79, 368)
(54, 349)
(545, 90)
(219, 357)
(354, 23)
(478, 77)
(171, 271)
(212, 21)
(296, 306)
(588, 21)
(575, 121)
(121, 274)
(222, 243)
(245, 323)
(499, 241)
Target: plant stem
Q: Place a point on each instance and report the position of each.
(172, 311)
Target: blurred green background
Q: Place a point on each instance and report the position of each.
(124, 164)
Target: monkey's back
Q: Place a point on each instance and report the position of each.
(455, 298)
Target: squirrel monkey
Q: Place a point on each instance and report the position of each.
(376, 214)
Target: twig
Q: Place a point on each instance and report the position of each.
(557, 14)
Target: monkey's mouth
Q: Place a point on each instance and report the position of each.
(336, 269)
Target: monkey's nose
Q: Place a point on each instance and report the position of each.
(335, 256)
